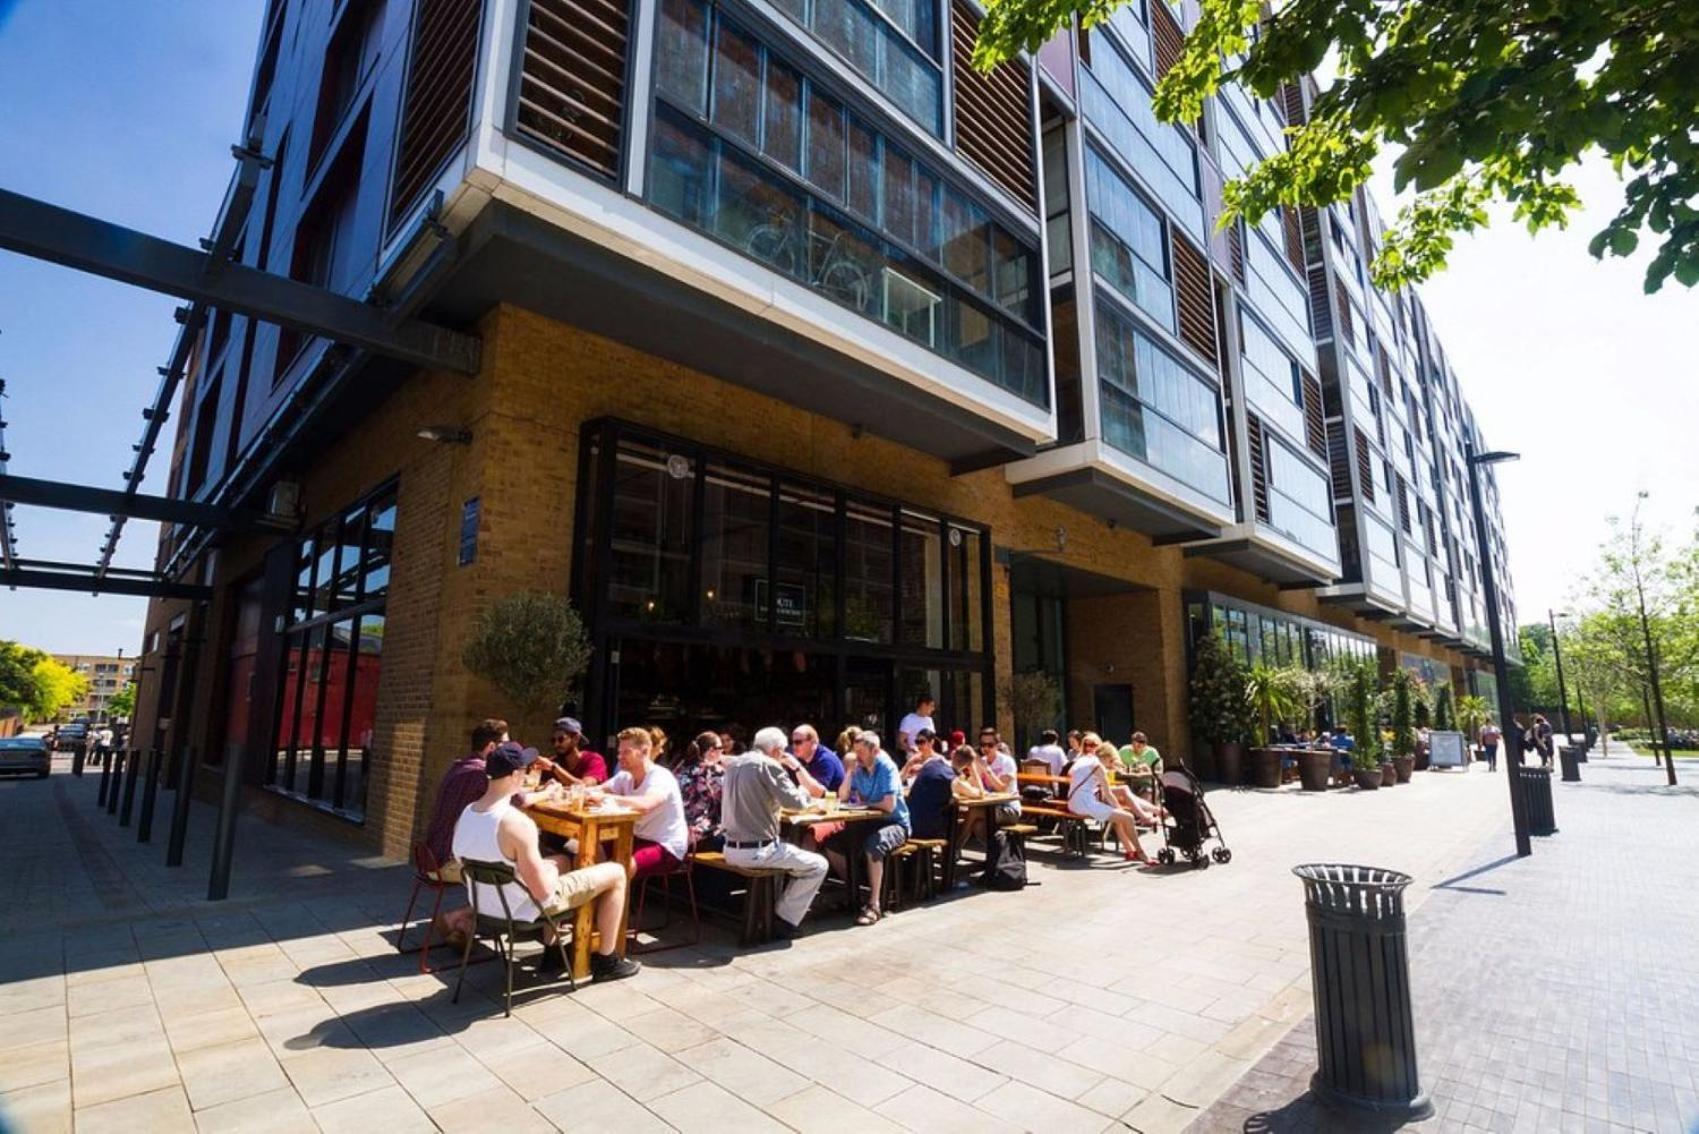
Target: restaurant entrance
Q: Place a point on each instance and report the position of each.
(722, 593)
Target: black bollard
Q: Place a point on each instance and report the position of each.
(119, 759)
(105, 778)
(185, 790)
(129, 802)
(224, 835)
(78, 755)
(150, 790)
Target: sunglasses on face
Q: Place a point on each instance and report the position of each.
(801, 739)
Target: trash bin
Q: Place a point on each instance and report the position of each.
(1569, 759)
(1537, 792)
(1360, 970)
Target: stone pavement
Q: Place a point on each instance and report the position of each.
(1553, 993)
(1103, 998)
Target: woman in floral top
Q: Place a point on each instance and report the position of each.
(699, 780)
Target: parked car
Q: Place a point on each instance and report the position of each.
(25, 754)
(71, 738)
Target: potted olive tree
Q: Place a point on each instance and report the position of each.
(1359, 714)
(1315, 763)
(1403, 720)
(1034, 699)
(1273, 696)
(532, 647)
(1218, 708)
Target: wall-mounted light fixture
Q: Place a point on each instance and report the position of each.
(447, 434)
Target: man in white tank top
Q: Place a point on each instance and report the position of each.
(493, 830)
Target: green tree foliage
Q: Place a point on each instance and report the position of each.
(1274, 696)
(1483, 102)
(1220, 711)
(1444, 719)
(530, 646)
(123, 702)
(1402, 713)
(1359, 711)
(33, 682)
(1473, 713)
(1533, 684)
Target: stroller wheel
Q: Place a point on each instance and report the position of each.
(1165, 856)
(1201, 862)
(1222, 855)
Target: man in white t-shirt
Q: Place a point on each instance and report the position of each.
(1050, 751)
(1000, 773)
(911, 725)
(661, 835)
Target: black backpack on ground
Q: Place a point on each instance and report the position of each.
(1005, 862)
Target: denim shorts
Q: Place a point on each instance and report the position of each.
(876, 840)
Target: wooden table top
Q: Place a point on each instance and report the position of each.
(1039, 778)
(606, 813)
(842, 815)
(990, 800)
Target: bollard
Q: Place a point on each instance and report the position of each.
(1360, 971)
(78, 755)
(185, 790)
(224, 832)
(105, 778)
(129, 803)
(119, 759)
(150, 789)
(1537, 791)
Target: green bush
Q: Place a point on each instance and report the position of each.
(531, 646)
(1219, 709)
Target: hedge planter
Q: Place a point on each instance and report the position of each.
(1368, 779)
(1388, 775)
(1265, 767)
(1404, 765)
(1230, 764)
(1313, 770)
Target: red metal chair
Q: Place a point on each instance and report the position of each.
(670, 870)
(427, 874)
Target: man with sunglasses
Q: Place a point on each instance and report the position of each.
(573, 763)
(822, 763)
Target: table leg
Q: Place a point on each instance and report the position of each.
(622, 855)
(584, 924)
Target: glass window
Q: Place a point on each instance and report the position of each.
(737, 82)
(681, 53)
(901, 207)
(1118, 103)
(1129, 246)
(679, 174)
(806, 591)
(868, 589)
(920, 610)
(967, 588)
(362, 715)
(736, 513)
(782, 130)
(1273, 382)
(826, 144)
(967, 241)
(863, 171)
(649, 529)
(896, 52)
(1300, 500)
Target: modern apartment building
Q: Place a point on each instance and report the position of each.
(818, 368)
(106, 676)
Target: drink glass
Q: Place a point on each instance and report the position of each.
(831, 802)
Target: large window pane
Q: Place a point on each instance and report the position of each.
(867, 573)
(843, 265)
(380, 540)
(806, 591)
(826, 144)
(681, 53)
(901, 205)
(920, 611)
(863, 171)
(362, 715)
(782, 137)
(680, 174)
(737, 82)
(755, 214)
(735, 524)
(649, 577)
(967, 591)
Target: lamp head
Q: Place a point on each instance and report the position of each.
(1494, 457)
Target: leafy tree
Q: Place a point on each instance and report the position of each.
(1402, 713)
(1473, 713)
(1274, 696)
(123, 702)
(1035, 701)
(1487, 102)
(1359, 709)
(1220, 712)
(531, 646)
(1443, 719)
(17, 674)
(57, 686)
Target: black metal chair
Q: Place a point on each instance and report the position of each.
(504, 929)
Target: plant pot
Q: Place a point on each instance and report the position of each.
(1388, 774)
(1230, 764)
(1421, 762)
(1368, 779)
(1313, 770)
(1265, 767)
(1202, 761)
(1404, 766)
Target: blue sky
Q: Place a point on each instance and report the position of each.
(127, 110)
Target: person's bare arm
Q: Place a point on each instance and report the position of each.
(804, 779)
(963, 787)
(518, 839)
(991, 781)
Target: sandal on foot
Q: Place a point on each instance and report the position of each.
(869, 915)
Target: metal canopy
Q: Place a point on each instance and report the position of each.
(111, 502)
(48, 232)
(32, 574)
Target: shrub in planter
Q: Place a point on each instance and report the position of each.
(1359, 697)
(1219, 711)
(530, 646)
(1405, 696)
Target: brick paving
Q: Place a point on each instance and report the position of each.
(1555, 993)
(1104, 998)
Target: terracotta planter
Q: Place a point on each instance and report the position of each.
(1230, 764)
(1388, 775)
(1404, 765)
(1313, 769)
(1368, 779)
(1265, 767)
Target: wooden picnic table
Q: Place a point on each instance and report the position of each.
(799, 823)
(595, 827)
(984, 802)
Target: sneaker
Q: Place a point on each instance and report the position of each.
(550, 963)
(612, 966)
(785, 931)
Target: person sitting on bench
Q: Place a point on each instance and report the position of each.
(1089, 795)
(754, 791)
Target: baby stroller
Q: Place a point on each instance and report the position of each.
(1190, 823)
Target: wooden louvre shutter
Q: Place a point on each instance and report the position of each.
(1345, 330)
(1166, 36)
(1339, 464)
(1321, 312)
(994, 126)
(1259, 465)
(1236, 250)
(1294, 236)
(1365, 468)
(572, 79)
(1403, 506)
(1292, 104)
(1315, 421)
(1383, 367)
(436, 107)
(1196, 296)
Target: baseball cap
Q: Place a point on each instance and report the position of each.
(957, 738)
(507, 759)
(569, 724)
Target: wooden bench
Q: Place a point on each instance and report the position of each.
(1072, 828)
(758, 899)
(925, 853)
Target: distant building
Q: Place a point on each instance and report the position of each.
(106, 676)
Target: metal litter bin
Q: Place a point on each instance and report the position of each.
(1569, 759)
(1537, 791)
(1360, 970)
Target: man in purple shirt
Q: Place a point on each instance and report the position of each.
(463, 784)
(573, 763)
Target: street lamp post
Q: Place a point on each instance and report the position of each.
(1557, 655)
(1501, 667)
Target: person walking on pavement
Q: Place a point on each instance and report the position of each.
(1490, 736)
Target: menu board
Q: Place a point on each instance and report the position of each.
(1447, 750)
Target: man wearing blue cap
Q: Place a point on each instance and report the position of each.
(494, 830)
